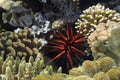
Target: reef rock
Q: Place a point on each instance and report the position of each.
(18, 16)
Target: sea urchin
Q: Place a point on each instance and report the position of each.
(67, 47)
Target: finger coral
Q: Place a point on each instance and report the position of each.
(19, 44)
(18, 69)
(94, 15)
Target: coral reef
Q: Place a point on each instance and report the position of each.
(94, 15)
(105, 40)
(102, 69)
(42, 43)
(19, 44)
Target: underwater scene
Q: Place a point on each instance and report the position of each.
(59, 39)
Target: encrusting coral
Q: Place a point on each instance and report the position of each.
(102, 69)
(19, 44)
(94, 15)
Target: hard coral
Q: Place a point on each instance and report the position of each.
(105, 40)
(21, 69)
(94, 15)
(114, 74)
(90, 68)
(101, 76)
(19, 44)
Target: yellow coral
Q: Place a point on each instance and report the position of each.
(40, 77)
(90, 68)
(76, 71)
(19, 44)
(101, 76)
(114, 74)
(82, 77)
(106, 63)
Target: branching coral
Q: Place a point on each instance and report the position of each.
(94, 15)
(20, 69)
(19, 44)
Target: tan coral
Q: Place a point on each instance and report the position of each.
(90, 68)
(82, 77)
(106, 63)
(105, 40)
(101, 76)
(114, 74)
(94, 15)
(76, 71)
(102, 32)
(19, 44)
(57, 24)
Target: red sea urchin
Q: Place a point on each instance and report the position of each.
(67, 47)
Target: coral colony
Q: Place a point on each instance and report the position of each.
(38, 43)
